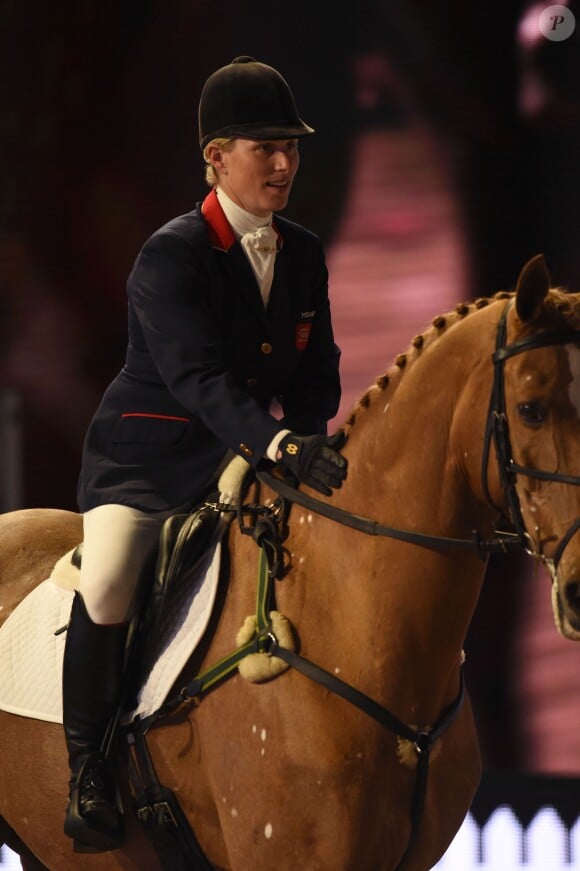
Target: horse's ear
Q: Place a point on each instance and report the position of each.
(532, 288)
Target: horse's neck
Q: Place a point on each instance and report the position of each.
(407, 449)
(407, 452)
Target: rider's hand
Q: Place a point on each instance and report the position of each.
(314, 460)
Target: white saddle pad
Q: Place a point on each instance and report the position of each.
(31, 654)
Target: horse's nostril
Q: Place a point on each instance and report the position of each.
(572, 594)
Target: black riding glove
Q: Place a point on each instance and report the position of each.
(314, 460)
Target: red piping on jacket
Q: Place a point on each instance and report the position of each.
(158, 416)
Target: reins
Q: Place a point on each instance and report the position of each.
(497, 430)
(503, 542)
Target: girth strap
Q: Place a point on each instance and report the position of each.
(160, 814)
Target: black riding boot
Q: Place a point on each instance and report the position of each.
(92, 679)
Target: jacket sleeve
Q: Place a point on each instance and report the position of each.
(170, 290)
(311, 398)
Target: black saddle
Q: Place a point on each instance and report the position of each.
(183, 543)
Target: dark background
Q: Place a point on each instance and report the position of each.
(98, 138)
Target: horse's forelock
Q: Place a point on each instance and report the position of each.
(561, 309)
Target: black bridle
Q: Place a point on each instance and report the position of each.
(497, 430)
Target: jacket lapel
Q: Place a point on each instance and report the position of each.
(236, 266)
(239, 275)
(279, 302)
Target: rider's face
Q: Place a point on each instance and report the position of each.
(258, 174)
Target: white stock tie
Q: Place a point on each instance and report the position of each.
(260, 247)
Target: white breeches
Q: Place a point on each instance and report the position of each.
(118, 543)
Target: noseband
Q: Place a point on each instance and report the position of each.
(497, 429)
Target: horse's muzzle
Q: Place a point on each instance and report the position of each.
(566, 606)
(571, 599)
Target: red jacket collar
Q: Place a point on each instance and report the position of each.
(220, 231)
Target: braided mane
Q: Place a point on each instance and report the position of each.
(560, 309)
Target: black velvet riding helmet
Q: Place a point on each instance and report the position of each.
(250, 99)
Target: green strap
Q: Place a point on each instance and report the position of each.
(220, 669)
(257, 643)
(263, 593)
(204, 681)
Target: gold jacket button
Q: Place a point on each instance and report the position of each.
(266, 348)
(246, 451)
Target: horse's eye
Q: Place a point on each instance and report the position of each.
(533, 413)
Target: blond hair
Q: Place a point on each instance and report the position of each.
(226, 144)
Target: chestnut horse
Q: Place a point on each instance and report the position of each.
(288, 774)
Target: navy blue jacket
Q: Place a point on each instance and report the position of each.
(205, 359)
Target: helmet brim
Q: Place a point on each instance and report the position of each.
(260, 131)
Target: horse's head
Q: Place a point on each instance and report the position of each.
(541, 372)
